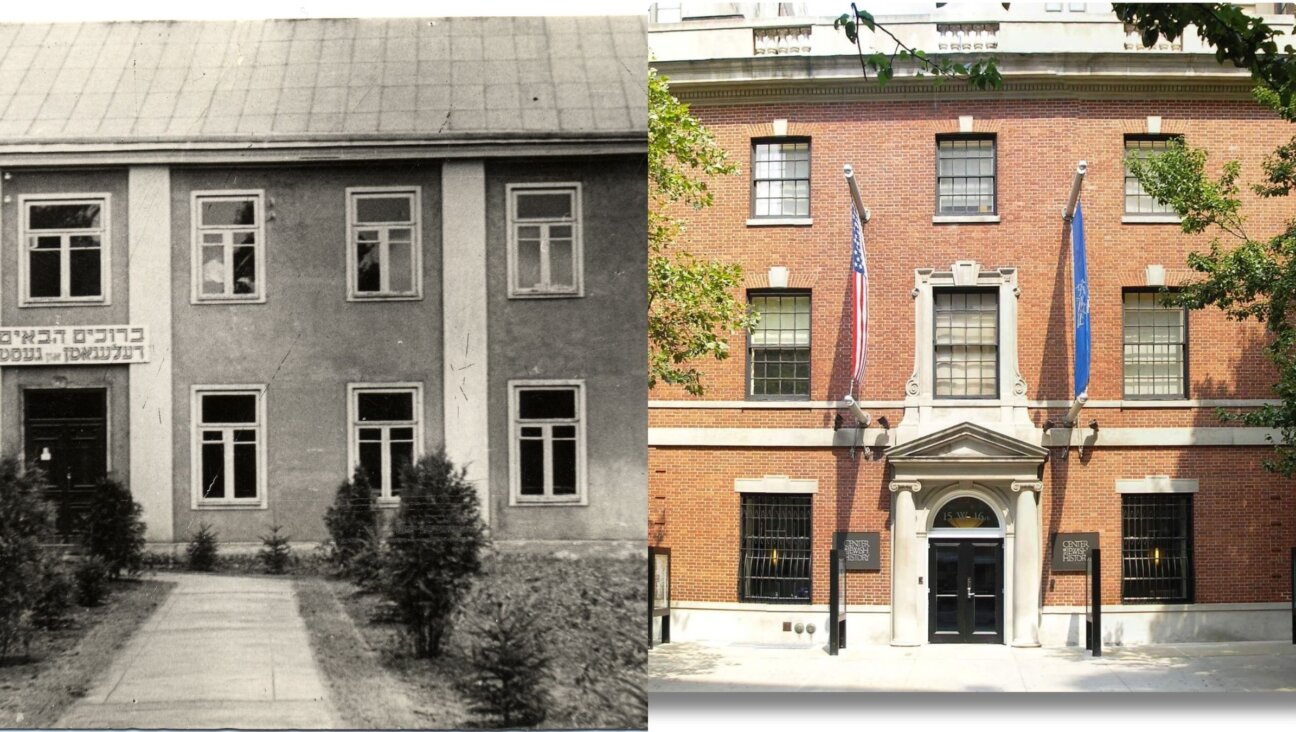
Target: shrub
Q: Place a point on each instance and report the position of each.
(352, 520)
(114, 531)
(276, 554)
(434, 550)
(368, 567)
(56, 594)
(26, 519)
(508, 659)
(202, 549)
(92, 582)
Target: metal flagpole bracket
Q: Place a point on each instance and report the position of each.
(865, 214)
(1068, 213)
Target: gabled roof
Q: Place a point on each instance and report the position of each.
(967, 443)
(428, 79)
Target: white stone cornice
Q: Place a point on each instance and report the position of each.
(912, 486)
(1027, 485)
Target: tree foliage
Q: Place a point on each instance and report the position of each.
(114, 529)
(692, 307)
(981, 74)
(26, 522)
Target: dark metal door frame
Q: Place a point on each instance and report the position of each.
(966, 553)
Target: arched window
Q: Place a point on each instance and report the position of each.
(966, 512)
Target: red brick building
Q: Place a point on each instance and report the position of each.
(966, 473)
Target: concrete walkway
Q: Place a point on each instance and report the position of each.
(221, 652)
(1258, 666)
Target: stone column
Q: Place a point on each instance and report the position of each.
(1026, 565)
(904, 566)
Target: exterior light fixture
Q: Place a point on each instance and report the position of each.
(1156, 556)
(45, 455)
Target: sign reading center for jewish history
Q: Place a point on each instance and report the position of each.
(859, 549)
(1071, 551)
(73, 345)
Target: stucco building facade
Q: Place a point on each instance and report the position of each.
(239, 259)
(967, 474)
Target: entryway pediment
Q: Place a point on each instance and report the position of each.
(963, 445)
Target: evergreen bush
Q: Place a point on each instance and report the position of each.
(276, 554)
(26, 521)
(434, 550)
(202, 549)
(92, 582)
(352, 520)
(113, 529)
(57, 593)
(508, 659)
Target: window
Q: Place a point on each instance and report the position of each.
(775, 556)
(965, 175)
(1155, 347)
(1156, 547)
(778, 352)
(386, 432)
(781, 179)
(1137, 200)
(384, 252)
(967, 343)
(229, 446)
(66, 243)
(229, 246)
(545, 240)
(547, 426)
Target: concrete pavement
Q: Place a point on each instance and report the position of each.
(1257, 666)
(220, 652)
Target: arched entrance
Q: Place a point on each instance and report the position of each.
(965, 547)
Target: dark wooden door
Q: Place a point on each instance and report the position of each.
(966, 592)
(66, 436)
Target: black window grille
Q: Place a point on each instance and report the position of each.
(781, 179)
(779, 347)
(965, 175)
(1156, 547)
(1156, 347)
(967, 343)
(775, 548)
(1137, 200)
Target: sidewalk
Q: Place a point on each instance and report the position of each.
(1256, 666)
(221, 652)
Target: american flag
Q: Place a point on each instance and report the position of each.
(859, 288)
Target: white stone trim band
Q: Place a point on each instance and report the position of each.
(1156, 484)
(826, 437)
(776, 484)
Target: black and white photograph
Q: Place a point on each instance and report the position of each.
(323, 370)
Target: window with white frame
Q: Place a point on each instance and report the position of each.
(229, 246)
(66, 247)
(229, 445)
(966, 347)
(384, 251)
(547, 441)
(545, 240)
(385, 433)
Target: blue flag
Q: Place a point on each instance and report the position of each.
(1080, 299)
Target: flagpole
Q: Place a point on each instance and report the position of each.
(1068, 214)
(855, 194)
(862, 418)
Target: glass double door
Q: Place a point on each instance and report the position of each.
(966, 593)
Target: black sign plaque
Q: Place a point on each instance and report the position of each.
(1071, 551)
(859, 549)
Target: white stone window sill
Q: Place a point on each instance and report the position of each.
(974, 219)
(1150, 219)
(785, 221)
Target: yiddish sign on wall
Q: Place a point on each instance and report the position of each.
(73, 345)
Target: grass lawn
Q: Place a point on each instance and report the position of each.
(63, 663)
(594, 612)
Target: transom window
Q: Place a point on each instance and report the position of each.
(965, 175)
(548, 436)
(229, 446)
(1155, 347)
(1156, 547)
(1137, 200)
(384, 252)
(545, 240)
(229, 240)
(967, 343)
(781, 179)
(775, 553)
(385, 433)
(779, 347)
(66, 242)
